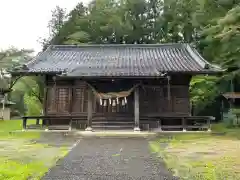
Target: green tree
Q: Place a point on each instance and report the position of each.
(211, 25)
(31, 87)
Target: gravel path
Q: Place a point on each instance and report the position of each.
(110, 159)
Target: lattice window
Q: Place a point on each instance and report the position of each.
(63, 99)
(78, 99)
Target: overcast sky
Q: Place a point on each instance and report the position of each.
(23, 22)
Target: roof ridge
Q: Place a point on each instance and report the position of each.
(116, 45)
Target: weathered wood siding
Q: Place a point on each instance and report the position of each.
(70, 97)
(154, 100)
(79, 97)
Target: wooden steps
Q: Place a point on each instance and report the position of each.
(101, 123)
(58, 127)
(111, 127)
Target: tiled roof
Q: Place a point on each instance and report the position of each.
(119, 60)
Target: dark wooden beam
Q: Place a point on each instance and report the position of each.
(70, 103)
(45, 98)
(70, 124)
(45, 95)
(209, 124)
(24, 123)
(168, 89)
(54, 100)
(37, 121)
(184, 124)
(70, 99)
(159, 125)
(90, 109)
(136, 109)
(47, 121)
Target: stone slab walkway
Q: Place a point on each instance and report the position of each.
(110, 159)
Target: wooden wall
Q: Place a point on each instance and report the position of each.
(70, 97)
(156, 101)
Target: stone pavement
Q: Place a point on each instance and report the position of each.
(95, 158)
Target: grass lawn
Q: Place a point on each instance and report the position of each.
(201, 156)
(21, 156)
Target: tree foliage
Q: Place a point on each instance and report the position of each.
(211, 25)
(26, 91)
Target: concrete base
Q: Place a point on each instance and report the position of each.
(46, 129)
(137, 129)
(184, 130)
(115, 133)
(88, 129)
(209, 130)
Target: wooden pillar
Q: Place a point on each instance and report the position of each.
(209, 124)
(37, 121)
(55, 96)
(169, 93)
(222, 110)
(24, 123)
(70, 124)
(184, 124)
(136, 109)
(45, 99)
(168, 88)
(47, 121)
(70, 103)
(160, 125)
(45, 103)
(45, 96)
(70, 98)
(90, 109)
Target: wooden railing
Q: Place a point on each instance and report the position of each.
(152, 122)
(48, 118)
(187, 122)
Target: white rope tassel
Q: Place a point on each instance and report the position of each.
(105, 103)
(110, 101)
(101, 103)
(123, 103)
(117, 100)
(125, 99)
(114, 103)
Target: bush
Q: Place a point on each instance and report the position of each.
(33, 106)
(231, 118)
